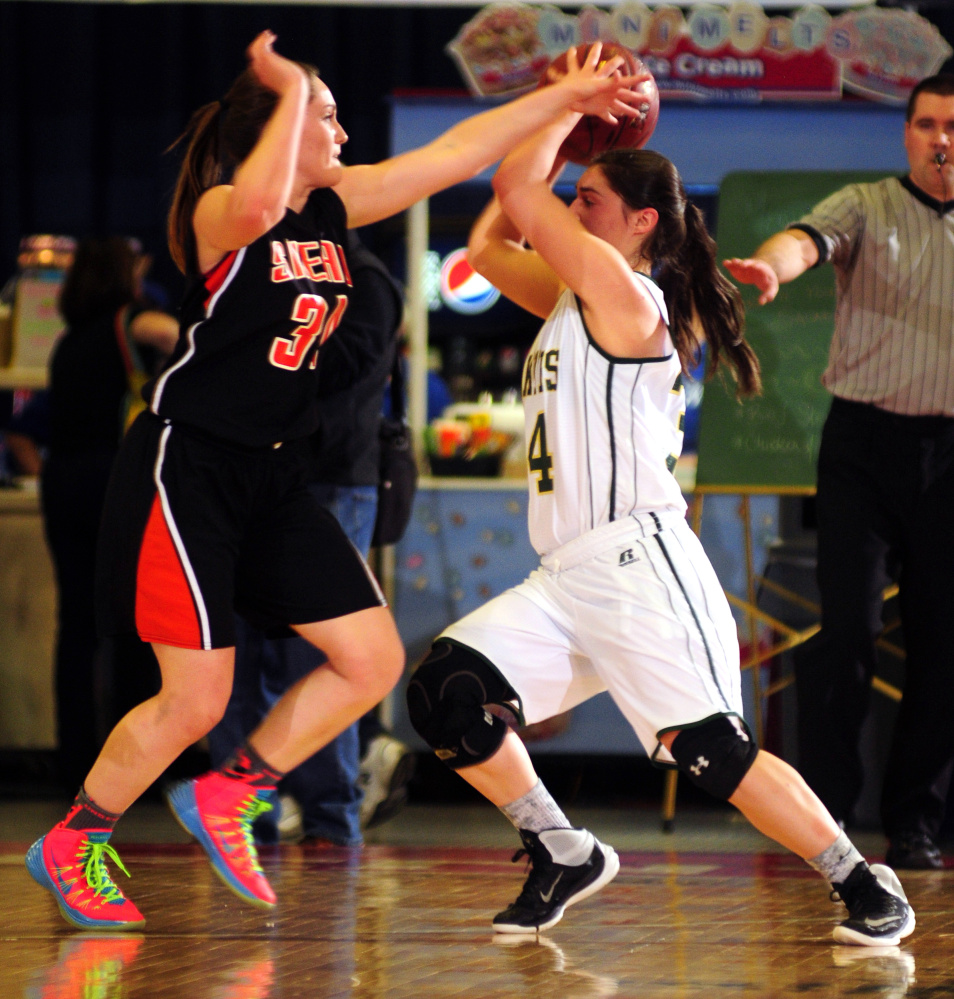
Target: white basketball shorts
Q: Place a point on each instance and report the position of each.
(629, 608)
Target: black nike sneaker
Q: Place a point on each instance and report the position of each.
(552, 886)
(879, 914)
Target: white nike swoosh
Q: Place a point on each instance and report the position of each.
(880, 922)
(549, 894)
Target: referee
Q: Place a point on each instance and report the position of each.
(885, 499)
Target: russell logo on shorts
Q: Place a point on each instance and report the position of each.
(626, 556)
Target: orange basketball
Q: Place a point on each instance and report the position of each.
(592, 135)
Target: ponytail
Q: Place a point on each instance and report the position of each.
(683, 254)
(698, 294)
(201, 169)
(218, 138)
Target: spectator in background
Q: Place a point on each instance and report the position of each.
(359, 777)
(352, 392)
(88, 389)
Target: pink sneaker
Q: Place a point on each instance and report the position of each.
(71, 864)
(219, 812)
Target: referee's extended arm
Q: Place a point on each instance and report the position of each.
(780, 259)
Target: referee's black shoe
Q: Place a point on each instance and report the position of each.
(878, 910)
(913, 852)
(551, 885)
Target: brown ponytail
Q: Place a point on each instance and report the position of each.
(684, 265)
(716, 303)
(201, 169)
(218, 138)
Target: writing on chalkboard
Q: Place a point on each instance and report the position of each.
(771, 442)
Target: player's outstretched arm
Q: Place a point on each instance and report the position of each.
(374, 192)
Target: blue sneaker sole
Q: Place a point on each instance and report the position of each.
(37, 870)
(181, 800)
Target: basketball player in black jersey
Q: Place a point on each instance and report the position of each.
(208, 510)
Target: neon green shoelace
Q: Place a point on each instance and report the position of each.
(96, 872)
(250, 811)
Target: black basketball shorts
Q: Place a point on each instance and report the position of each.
(195, 529)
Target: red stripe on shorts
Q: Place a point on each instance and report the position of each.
(165, 610)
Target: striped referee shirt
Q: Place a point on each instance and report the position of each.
(892, 247)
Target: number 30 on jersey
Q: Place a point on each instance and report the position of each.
(309, 314)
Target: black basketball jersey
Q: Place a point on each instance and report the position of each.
(250, 330)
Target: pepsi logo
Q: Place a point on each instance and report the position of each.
(462, 288)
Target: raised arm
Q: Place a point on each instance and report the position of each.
(621, 316)
(377, 191)
(230, 216)
(496, 250)
(780, 259)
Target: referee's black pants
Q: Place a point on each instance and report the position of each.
(885, 508)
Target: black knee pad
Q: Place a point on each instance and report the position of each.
(458, 703)
(716, 754)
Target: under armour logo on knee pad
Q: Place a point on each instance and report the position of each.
(715, 753)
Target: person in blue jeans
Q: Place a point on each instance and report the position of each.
(352, 382)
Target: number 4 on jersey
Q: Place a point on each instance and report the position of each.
(539, 459)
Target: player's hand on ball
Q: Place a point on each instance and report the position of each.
(621, 110)
(625, 100)
(598, 85)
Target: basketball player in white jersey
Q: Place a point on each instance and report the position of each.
(624, 599)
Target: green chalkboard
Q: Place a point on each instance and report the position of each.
(770, 443)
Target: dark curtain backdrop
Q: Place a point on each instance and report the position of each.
(92, 94)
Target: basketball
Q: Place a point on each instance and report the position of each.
(592, 136)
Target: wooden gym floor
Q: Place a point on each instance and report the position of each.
(711, 909)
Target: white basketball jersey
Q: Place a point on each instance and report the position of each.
(603, 433)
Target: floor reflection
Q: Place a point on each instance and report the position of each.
(88, 966)
(414, 923)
